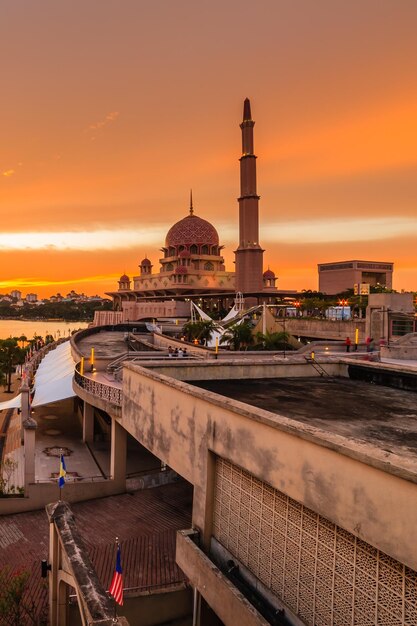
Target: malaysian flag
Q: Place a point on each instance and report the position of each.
(116, 587)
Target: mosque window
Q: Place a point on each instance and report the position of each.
(214, 250)
(204, 250)
(169, 267)
(171, 251)
(209, 266)
(194, 249)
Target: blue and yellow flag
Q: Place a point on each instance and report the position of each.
(62, 472)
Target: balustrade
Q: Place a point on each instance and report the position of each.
(100, 390)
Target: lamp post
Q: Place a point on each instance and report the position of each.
(297, 304)
(343, 303)
(285, 337)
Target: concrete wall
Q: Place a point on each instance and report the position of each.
(163, 341)
(363, 489)
(41, 493)
(380, 310)
(325, 329)
(244, 369)
(151, 608)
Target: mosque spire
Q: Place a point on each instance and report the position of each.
(247, 129)
(247, 116)
(191, 202)
(249, 254)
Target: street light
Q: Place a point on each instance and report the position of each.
(343, 303)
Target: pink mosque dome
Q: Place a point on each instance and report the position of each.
(145, 261)
(192, 230)
(181, 269)
(124, 278)
(269, 274)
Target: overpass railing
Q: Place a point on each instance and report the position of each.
(111, 394)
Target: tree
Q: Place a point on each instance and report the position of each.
(10, 356)
(7, 467)
(201, 330)
(238, 336)
(16, 606)
(272, 341)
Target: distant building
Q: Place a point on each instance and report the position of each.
(16, 294)
(341, 275)
(32, 297)
(57, 298)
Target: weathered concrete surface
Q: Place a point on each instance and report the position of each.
(384, 417)
(246, 367)
(221, 595)
(72, 558)
(324, 329)
(403, 348)
(363, 488)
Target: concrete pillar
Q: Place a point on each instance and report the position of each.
(53, 574)
(88, 423)
(196, 607)
(118, 454)
(24, 404)
(29, 428)
(63, 606)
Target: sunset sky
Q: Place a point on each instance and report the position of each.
(111, 110)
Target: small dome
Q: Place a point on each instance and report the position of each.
(145, 261)
(184, 254)
(192, 230)
(269, 274)
(181, 269)
(124, 278)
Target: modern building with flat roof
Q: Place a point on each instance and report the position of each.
(341, 275)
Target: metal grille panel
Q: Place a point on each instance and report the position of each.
(324, 574)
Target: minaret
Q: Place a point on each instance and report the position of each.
(249, 254)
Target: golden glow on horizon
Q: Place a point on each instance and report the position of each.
(302, 231)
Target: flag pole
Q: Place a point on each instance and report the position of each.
(115, 620)
(62, 473)
(59, 476)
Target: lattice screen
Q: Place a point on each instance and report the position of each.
(324, 574)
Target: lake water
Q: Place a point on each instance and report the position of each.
(17, 328)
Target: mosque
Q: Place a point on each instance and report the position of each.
(192, 266)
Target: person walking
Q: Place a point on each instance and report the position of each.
(348, 343)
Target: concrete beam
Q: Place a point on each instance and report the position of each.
(67, 547)
(219, 593)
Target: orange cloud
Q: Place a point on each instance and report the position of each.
(378, 138)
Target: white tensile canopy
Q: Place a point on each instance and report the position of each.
(53, 380)
(14, 403)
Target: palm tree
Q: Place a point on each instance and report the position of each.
(238, 336)
(201, 330)
(272, 341)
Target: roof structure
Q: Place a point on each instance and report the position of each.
(382, 417)
(192, 230)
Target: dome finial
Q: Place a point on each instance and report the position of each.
(191, 202)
